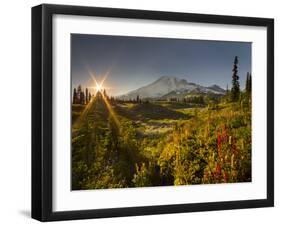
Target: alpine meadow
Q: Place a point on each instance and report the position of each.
(159, 112)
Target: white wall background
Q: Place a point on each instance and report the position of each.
(15, 113)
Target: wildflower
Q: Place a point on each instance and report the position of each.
(235, 150)
(219, 144)
(218, 169)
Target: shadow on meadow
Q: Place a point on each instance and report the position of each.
(147, 111)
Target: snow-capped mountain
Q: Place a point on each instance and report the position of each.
(166, 85)
(217, 89)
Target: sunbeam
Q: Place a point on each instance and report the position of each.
(99, 87)
(111, 111)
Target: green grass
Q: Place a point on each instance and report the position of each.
(77, 109)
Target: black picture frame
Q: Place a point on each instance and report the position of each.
(42, 111)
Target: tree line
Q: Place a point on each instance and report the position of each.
(235, 92)
(81, 97)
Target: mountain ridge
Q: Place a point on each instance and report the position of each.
(167, 84)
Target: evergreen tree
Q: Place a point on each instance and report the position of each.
(104, 93)
(138, 98)
(87, 96)
(74, 100)
(248, 83)
(235, 90)
(79, 94)
(82, 98)
(90, 97)
(79, 89)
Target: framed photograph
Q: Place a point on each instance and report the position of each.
(146, 112)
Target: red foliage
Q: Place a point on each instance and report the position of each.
(219, 144)
(218, 170)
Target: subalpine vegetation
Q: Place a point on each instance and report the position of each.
(198, 140)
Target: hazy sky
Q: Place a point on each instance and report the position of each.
(133, 62)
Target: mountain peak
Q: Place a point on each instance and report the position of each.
(166, 84)
(165, 77)
(171, 79)
(216, 88)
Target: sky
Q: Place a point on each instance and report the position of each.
(133, 62)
